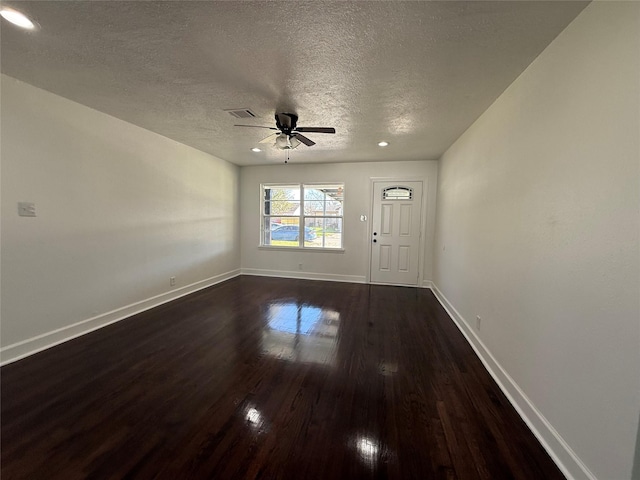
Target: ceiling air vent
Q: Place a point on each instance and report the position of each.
(241, 112)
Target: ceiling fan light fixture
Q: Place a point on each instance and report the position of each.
(286, 142)
(282, 141)
(17, 18)
(294, 142)
(383, 144)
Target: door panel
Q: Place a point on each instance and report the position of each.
(385, 258)
(405, 220)
(403, 258)
(386, 220)
(395, 250)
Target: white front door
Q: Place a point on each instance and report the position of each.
(395, 236)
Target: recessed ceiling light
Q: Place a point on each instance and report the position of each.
(383, 144)
(17, 18)
(255, 149)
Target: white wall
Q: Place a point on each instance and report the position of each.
(119, 211)
(353, 263)
(635, 473)
(538, 233)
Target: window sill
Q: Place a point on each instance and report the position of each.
(301, 249)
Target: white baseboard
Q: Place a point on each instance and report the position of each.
(565, 458)
(304, 275)
(427, 284)
(36, 344)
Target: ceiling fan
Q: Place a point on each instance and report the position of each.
(288, 135)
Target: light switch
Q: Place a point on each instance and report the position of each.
(26, 209)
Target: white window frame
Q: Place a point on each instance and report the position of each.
(301, 217)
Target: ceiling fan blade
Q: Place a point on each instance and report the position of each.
(308, 142)
(256, 126)
(270, 139)
(316, 129)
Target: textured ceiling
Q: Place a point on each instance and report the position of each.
(415, 74)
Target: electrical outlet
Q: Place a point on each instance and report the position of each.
(478, 322)
(172, 281)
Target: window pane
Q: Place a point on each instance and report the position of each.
(282, 207)
(323, 232)
(269, 224)
(323, 200)
(289, 192)
(333, 192)
(283, 200)
(313, 208)
(285, 233)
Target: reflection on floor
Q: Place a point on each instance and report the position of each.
(301, 333)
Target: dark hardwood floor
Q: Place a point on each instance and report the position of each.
(267, 378)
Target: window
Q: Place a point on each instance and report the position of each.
(290, 210)
(397, 193)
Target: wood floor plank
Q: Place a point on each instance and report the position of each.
(266, 378)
